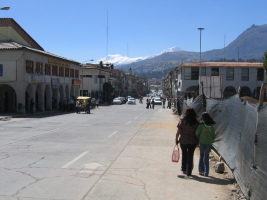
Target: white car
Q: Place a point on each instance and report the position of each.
(157, 101)
(131, 101)
(117, 101)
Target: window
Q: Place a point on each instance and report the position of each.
(54, 70)
(47, 69)
(215, 71)
(67, 72)
(29, 66)
(61, 71)
(76, 73)
(244, 74)
(38, 68)
(230, 74)
(260, 74)
(191, 73)
(72, 73)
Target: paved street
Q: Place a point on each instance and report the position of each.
(117, 152)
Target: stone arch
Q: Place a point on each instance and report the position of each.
(8, 99)
(61, 93)
(229, 91)
(67, 92)
(39, 98)
(47, 98)
(55, 97)
(245, 91)
(29, 94)
(72, 92)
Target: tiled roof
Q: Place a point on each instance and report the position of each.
(9, 22)
(221, 64)
(16, 46)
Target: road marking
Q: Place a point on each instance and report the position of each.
(112, 133)
(136, 117)
(75, 159)
(127, 123)
(51, 131)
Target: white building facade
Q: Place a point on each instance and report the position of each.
(246, 76)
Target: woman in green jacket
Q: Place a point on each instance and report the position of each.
(206, 134)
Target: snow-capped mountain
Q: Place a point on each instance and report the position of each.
(122, 60)
(172, 49)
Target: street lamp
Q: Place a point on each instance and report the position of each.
(200, 29)
(82, 72)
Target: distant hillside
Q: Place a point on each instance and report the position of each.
(251, 44)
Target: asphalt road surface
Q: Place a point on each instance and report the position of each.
(116, 152)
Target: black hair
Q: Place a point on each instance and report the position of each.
(207, 119)
(191, 116)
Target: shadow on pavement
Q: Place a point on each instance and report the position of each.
(209, 179)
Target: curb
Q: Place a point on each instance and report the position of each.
(28, 114)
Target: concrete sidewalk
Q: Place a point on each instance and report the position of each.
(4, 116)
(144, 169)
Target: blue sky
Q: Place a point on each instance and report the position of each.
(77, 29)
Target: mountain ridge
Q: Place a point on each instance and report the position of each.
(249, 45)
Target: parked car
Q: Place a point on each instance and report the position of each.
(131, 101)
(123, 99)
(157, 101)
(117, 101)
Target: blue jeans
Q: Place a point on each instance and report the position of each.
(203, 165)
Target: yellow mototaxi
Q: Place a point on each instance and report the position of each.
(82, 104)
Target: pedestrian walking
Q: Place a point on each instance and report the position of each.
(97, 102)
(153, 103)
(169, 103)
(206, 134)
(147, 103)
(163, 102)
(186, 136)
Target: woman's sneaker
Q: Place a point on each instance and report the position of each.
(201, 173)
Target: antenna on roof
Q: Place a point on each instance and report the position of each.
(107, 36)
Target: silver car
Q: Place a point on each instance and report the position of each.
(131, 101)
(117, 101)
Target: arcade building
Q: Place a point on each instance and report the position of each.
(31, 76)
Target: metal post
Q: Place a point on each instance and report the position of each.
(82, 81)
(200, 29)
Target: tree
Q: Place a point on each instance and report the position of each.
(108, 90)
(265, 63)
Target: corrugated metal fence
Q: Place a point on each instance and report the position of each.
(241, 139)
